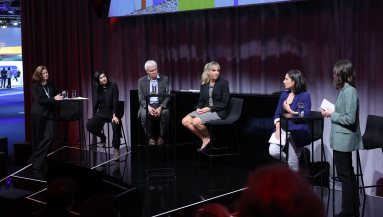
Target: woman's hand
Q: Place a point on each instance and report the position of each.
(203, 110)
(286, 106)
(277, 134)
(115, 119)
(58, 97)
(327, 112)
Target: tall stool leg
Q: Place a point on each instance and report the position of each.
(239, 146)
(123, 135)
(212, 146)
(224, 139)
(359, 172)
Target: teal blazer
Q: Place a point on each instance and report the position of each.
(345, 130)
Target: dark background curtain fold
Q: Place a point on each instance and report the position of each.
(255, 46)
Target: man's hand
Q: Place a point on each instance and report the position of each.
(158, 112)
(151, 111)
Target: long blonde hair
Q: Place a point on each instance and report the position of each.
(205, 77)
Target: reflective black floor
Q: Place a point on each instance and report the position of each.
(194, 182)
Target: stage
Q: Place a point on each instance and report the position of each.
(193, 187)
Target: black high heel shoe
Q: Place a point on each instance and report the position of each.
(204, 148)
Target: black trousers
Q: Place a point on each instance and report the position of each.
(42, 137)
(163, 121)
(2, 84)
(96, 124)
(9, 82)
(345, 171)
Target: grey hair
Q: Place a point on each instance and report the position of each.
(150, 63)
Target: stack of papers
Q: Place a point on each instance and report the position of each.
(326, 104)
(194, 91)
(274, 140)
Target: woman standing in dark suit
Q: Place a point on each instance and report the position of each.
(44, 93)
(345, 135)
(213, 104)
(105, 99)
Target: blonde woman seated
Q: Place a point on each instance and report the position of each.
(213, 104)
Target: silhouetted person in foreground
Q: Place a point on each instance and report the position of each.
(60, 198)
(101, 206)
(277, 191)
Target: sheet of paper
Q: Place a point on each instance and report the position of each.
(194, 91)
(274, 140)
(327, 104)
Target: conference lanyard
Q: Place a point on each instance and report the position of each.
(46, 91)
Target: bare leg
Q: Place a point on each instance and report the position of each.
(197, 123)
(188, 123)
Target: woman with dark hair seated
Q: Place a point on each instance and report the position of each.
(299, 132)
(105, 99)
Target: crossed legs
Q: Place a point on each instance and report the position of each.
(194, 124)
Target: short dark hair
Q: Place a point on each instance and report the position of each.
(299, 81)
(343, 72)
(9, 67)
(60, 193)
(96, 79)
(275, 191)
(100, 206)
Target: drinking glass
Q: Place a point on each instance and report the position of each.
(73, 93)
(66, 94)
(301, 109)
(167, 88)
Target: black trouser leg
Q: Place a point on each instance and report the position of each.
(95, 125)
(39, 155)
(9, 82)
(3, 82)
(345, 171)
(143, 121)
(165, 120)
(116, 128)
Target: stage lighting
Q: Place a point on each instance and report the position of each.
(15, 23)
(11, 12)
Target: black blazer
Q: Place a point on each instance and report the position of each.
(221, 96)
(111, 97)
(42, 103)
(144, 89)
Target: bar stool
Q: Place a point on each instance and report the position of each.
(120, 114)
(235, 109)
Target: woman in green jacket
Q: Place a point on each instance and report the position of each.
(345, 134)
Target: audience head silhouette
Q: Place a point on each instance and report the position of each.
(277, 191)
(214, 210)
(101, 206)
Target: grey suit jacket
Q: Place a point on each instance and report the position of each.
(144, 89)
(345, 130)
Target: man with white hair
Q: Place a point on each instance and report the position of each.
(158, 107)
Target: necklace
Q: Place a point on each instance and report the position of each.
(46, 90)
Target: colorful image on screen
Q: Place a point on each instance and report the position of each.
(120, 8)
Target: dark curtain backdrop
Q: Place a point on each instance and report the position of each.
(254, 45)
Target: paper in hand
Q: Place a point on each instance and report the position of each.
(326, 104)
